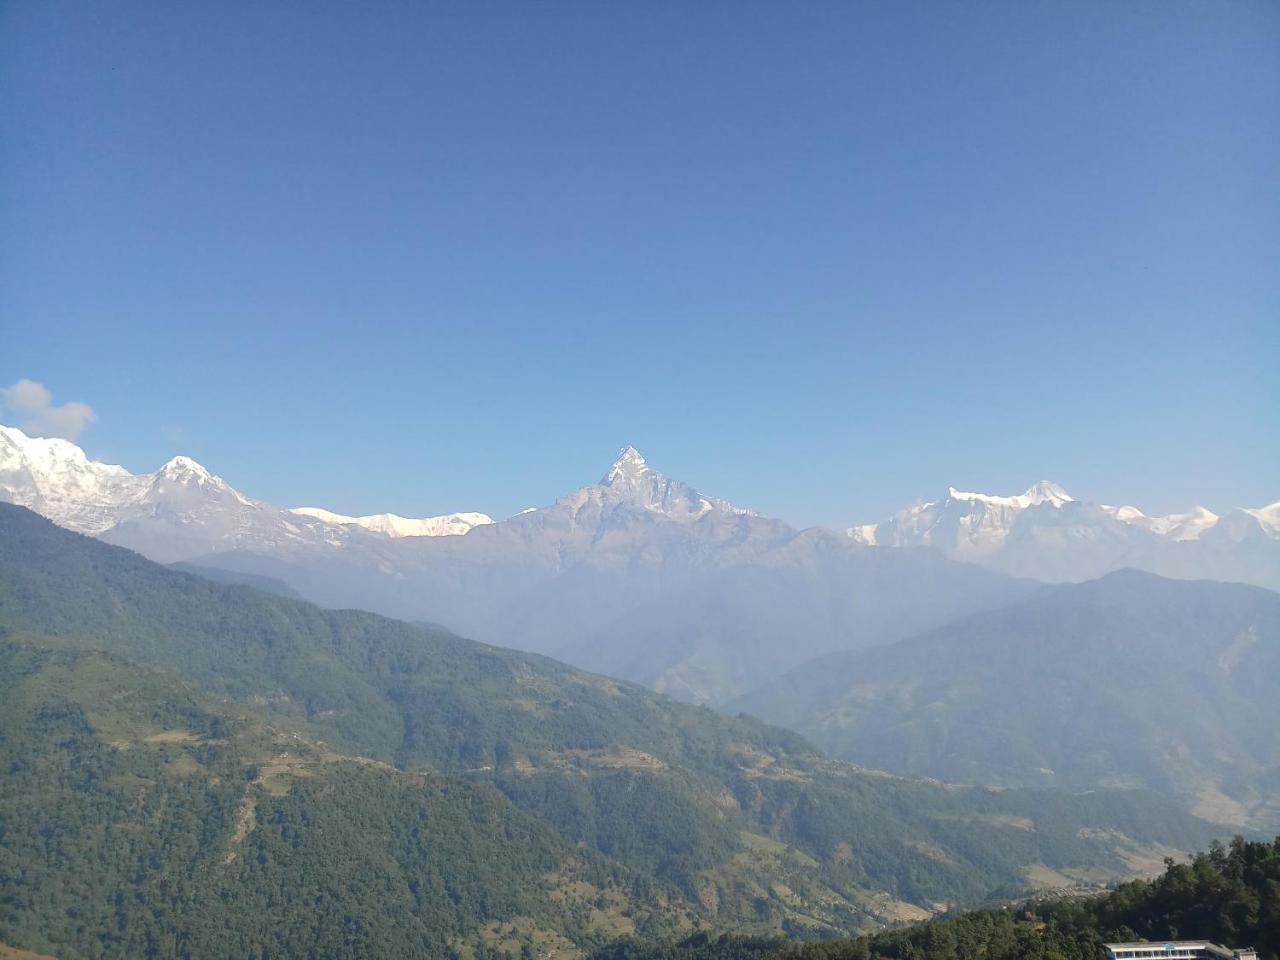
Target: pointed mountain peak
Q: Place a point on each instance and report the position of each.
(1046, 491)
(47, 449)
(1268, 517)
(185, 470)
(632, 481)
(629, 466)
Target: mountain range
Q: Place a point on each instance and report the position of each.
(1047, 534)
(250, 775)
(639, 575)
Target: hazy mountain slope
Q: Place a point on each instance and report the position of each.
(1046, 534)
(1128, 680)
(645, 578)
(222, 575)
(748, 825)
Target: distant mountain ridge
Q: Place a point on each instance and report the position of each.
(1047, 534)
(56, 479)
(1132, 679)
(639, 575)
(450, 524)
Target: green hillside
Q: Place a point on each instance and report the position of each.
(168, 702)
(140, 819)
(1132, 680)
(1229, 896)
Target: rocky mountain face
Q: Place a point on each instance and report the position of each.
(1046, 534)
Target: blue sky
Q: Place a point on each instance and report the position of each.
(822, 258)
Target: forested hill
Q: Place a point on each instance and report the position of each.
(141, 819)
(1229, 896)
(333, 728)
(1083, 685)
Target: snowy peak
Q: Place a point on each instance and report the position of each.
(1046, 491)
(1268, 518)
(631, 483)
(1256, 524)
(447, 525)
(55, 478)
(978, 526)
(44, 453)
(186, 470)
(631, 479)
(969, 525)
(47, 456)
(184, 478)
(629, 466)
(1176, 526)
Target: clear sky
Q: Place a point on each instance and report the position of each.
(822, 259)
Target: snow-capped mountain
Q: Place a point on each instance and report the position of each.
(631, 482)
(448, 525)
(966, 524)
(1268, 518)
(56, 479)
(1047, 534)
(1174, 526)
(180, 511)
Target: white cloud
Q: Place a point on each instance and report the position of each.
(44, 418)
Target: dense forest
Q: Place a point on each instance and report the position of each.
(1228, 895)
(138, 818)
(154, 724)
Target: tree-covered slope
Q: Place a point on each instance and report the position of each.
(734, 824)
(1229, 896)
(141, 819)
(1131, 680)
